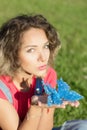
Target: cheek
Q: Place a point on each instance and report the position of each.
(29, 60)
(26, 59)
(47, 54)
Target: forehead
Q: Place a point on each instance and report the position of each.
(34, 36)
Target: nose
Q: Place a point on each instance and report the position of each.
(42, 56)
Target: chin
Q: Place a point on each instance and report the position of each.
(41, 74)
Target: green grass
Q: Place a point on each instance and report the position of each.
(70, 19)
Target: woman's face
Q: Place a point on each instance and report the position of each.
(34, 52)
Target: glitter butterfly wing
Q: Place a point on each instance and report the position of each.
(66, 93)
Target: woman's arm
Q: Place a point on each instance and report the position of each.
(37, 118)
(9, 119)
(46, 120)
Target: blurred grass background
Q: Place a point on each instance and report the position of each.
(70, 19)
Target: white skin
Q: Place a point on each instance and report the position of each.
(34, 54)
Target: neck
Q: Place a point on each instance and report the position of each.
(22, 80)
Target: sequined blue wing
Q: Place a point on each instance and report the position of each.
(66, 93)
(63, 87)
(72, 96)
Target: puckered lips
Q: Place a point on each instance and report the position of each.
(43, 67)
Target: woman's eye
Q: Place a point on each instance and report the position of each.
(31, 50)
(47, 46)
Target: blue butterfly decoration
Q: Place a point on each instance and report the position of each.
(62, 93)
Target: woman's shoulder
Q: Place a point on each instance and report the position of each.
(5, 88)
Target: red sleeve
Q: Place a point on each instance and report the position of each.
(51, 77)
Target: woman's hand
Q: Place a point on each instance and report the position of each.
(41, 101)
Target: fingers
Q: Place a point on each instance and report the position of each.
(34, 100)
(65, 103)
(74, 104)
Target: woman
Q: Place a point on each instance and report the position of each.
(27, 48)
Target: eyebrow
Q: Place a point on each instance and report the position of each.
(36, 45)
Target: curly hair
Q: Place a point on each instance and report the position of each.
(10, 40)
